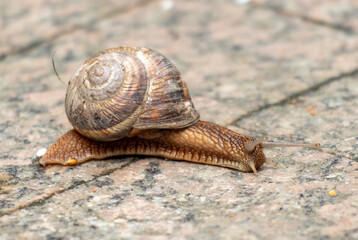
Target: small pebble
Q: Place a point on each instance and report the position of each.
(167, 4)
(41, 152)
(72, 161)
(332, 193)
(242, 2)
(311, 110)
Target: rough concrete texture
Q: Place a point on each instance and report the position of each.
(282, 69)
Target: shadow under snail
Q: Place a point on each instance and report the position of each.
(131, 100)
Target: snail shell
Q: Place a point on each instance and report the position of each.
(127, 88)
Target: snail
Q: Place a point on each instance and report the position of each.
(131, 100)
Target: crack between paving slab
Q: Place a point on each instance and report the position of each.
(45, 39)
(284, 12)
(44, 199)
(296, 95)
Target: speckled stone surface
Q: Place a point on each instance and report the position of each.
(340, 15)
(282, 69)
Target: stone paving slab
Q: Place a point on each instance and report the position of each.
(161, 198)
(341, 15)
(264, 72)
(328, 115)
(46, 21)
(285, 45)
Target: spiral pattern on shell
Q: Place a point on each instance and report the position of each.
(127, 88)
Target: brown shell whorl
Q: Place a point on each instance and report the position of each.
(168, 104)
(123, 88)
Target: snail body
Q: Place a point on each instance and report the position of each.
(130, 100)
(203, 142)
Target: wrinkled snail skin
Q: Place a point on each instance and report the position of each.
(131, 100)
(203, 142)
